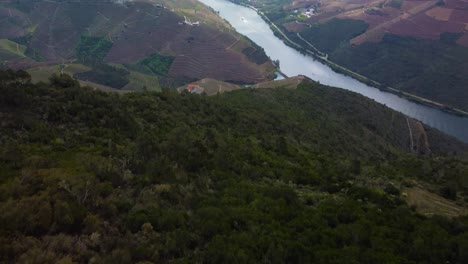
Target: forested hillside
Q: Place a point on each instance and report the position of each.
(312, 175)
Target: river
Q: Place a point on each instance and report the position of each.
(247, 22)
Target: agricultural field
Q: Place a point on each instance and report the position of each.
(126, 34)
(421, 18)
(426, 19)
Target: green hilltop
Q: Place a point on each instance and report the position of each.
(309, 175)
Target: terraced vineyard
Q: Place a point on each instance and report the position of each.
(136, 30)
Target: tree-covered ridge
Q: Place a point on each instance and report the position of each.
(245, 177)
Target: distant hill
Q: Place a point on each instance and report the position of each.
(131, 36)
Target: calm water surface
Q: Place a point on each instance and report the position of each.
(247, 22)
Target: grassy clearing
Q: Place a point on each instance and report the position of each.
(10, 50)
(429, 204)
(42, 73)
(140, 80)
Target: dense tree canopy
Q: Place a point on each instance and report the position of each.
(273, 176)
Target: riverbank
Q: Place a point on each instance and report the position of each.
(323, 58)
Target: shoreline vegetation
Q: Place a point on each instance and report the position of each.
(323, 58)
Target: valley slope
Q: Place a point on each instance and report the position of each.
(132, 37)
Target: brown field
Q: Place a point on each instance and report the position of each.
(459, 16)
(206, 56)
(421, 7)
(201, 51)
(212, 49)
(407, 6)
(12, 23)
(424, 26)
(430, 204)
(439, 13)
(414, 18)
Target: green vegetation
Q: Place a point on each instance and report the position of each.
(290, 176)
(450, 38)
(107, 75)
(139, 81)
(333, 34)
(413, 65)
(26, 41)
(273, 9)
(256, 54)
(92, 50)
(396, 3)
(10, 50)
(12, 47)
(158, 64)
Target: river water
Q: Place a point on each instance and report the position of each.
(247, 22)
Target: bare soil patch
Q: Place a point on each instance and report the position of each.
(213, 87)
(439, 13)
